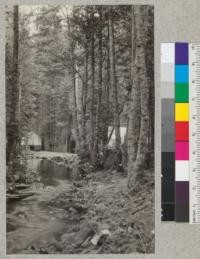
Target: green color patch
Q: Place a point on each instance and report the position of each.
(182, 93)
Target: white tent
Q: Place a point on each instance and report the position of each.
(34, 139)
(112, 140)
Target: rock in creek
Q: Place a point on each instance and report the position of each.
(86, 230)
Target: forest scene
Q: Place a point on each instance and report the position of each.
(80, 129)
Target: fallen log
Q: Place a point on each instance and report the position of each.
(18, 196)
(22, 186)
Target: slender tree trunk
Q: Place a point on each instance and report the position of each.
(143, 151)
(107, 103)
(151, 108)
(93, 154)
(144, 127)
(74, 81)
(140, 91)
(99, 134)
(108, 82)
(135, 105)
(113, 83)
(150, 75)
(13, 130)
(84, 148)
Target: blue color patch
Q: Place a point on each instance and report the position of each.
(181, 73)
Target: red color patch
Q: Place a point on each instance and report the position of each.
(182, 131)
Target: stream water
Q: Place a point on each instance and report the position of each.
(30, 220)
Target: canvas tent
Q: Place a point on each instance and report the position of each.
(34, 141)
(112, 139)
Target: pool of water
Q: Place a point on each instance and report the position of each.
(31, 220)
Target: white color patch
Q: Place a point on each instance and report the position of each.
(168, 53)
(182, 170)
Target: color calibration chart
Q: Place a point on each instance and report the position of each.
(180, 143)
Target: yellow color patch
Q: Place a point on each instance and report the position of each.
(182, 112)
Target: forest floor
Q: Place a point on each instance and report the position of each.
(101, 216)
(121, 223)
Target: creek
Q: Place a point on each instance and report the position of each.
(31, 220)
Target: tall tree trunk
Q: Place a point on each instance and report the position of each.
(84, 147)
(143, 151)
(74, 85)
(93, 154)
(150, 75)
(108, 82)
(138, 81)
(113, 84)
(13, 130)
(99, 134)
(107, 102)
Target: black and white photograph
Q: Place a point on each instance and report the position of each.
(80, 129)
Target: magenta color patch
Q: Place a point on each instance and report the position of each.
(182, 150)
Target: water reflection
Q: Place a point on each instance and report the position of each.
(50, 171)
(29, 219)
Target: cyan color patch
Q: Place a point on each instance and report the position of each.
(181, 73)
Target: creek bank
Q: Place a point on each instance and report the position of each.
(91, 213)
(29, 218)
(20, 183)
(105, 217)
